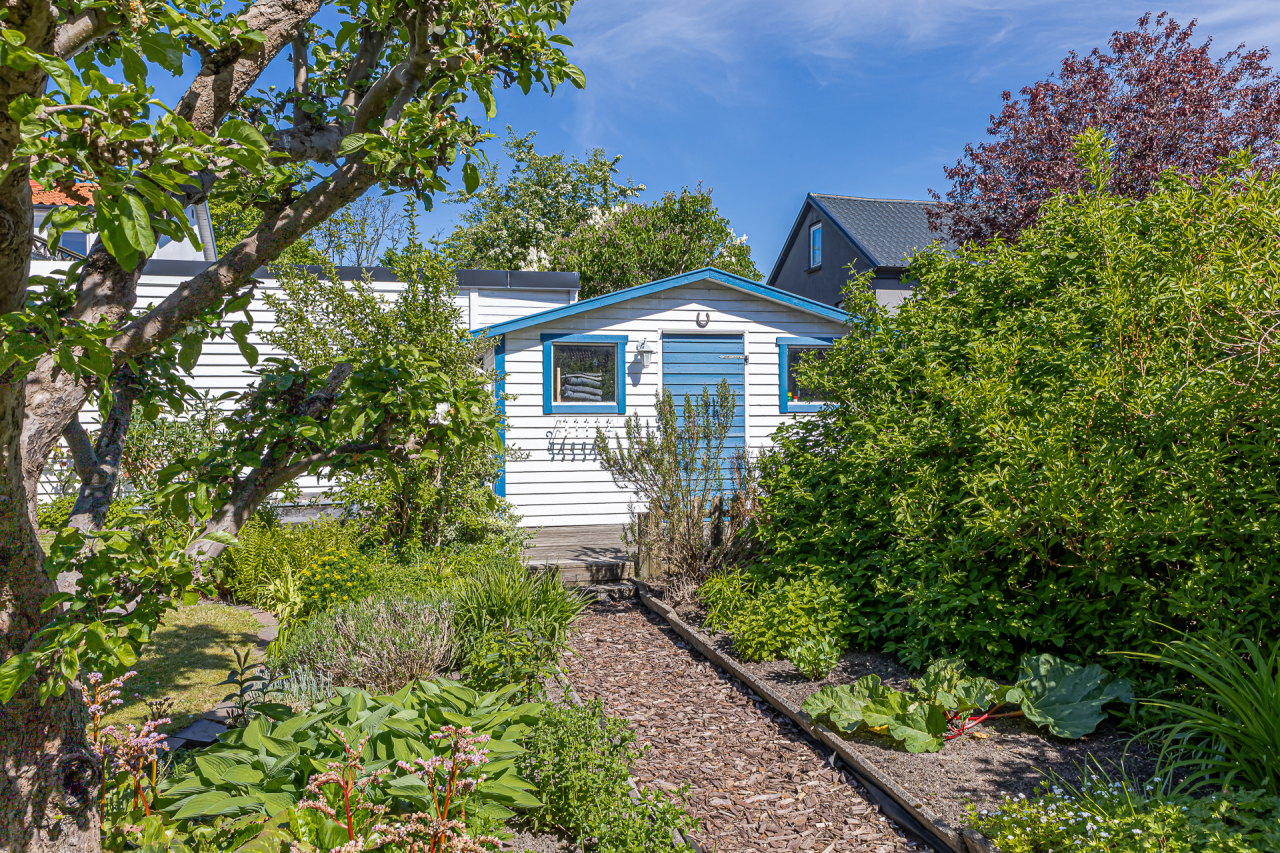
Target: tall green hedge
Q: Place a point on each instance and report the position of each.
(1059, 445)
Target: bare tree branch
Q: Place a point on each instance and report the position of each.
(228, 74)
(80, 32)
(275, 234)
(81, 447)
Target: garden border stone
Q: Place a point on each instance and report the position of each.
(906, 810)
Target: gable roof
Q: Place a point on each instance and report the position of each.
(887, 230)
(42, 196)
(736, 282)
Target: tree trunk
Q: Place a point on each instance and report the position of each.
(99, 466)
(49, 775)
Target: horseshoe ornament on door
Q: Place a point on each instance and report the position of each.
(702, 324)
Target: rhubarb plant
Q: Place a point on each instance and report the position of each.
(947, 703)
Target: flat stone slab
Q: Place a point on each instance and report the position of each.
(202, 732)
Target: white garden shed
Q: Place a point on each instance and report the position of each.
(591, 363)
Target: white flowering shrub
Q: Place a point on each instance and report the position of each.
(1115, 815)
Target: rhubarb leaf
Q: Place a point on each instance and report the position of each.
(921, 728)
(1067, 698)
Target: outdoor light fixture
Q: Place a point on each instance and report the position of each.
(645, 352)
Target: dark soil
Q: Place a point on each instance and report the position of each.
(1011, 760)
(756, 781)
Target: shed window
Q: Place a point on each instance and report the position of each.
(793, 396)
(583, 374)
(815, 245)
(797, 392)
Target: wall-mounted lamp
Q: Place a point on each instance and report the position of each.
(645, 352)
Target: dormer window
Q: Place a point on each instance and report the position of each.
(815, 245)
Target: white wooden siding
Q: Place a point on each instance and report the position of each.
(221, 367)
(561, 482)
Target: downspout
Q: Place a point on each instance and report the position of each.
(204, 227)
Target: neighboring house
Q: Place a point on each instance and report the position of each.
(76, 244)
(592, 363)
(833, 232)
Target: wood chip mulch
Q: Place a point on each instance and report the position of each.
(756, 782)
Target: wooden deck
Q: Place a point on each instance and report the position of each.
(585, 554)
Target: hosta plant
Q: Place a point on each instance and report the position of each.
(274, 779)
(946, 703)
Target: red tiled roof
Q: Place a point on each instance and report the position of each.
(83, 195)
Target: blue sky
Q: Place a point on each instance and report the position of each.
(765, 100)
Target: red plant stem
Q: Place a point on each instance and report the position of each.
(1002, 716)
(346, 796)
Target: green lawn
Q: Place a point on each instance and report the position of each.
(188, 656)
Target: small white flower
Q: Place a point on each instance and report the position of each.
(1137, 832)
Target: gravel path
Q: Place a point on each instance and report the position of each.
(756, 782)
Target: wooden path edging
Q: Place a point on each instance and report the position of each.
(944, 836)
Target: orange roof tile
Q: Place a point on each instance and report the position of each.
(39, 195)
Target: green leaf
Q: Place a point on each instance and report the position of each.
(921, 728)
(162, 49)
(507, 795)
(242, 774)
(470, 177)
(216, 765)
(200, 803)
(135, 70)
(1067, 698)
(107, 218)
(137, 225)
(192, 345)
(14, 672)
(244, 133)
(351, 143)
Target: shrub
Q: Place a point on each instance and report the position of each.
(579, 761)
(511, 656)
(766, 621)
(379, 643)
(815, 657)
(1105, 815)
(1228, 731)
(54, 514)
(678, 468)
(337, 577)
(266, 550)
(423, 572)
(509, 594)
(1062, 444)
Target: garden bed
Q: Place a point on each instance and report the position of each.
(756, 781)
(1010, 761)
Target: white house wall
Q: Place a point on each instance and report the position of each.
(221, 368)
(561, 482)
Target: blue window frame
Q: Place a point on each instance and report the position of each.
(792, 397)
(815, 245)
(584, 374)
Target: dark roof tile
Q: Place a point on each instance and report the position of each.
(890, 229)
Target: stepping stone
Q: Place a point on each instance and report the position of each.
(266, 635)
(175, 743)
(219, 714)
(202, 732)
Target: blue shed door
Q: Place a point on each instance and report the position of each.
(692, 362)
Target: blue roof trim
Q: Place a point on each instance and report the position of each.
(706, 273)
